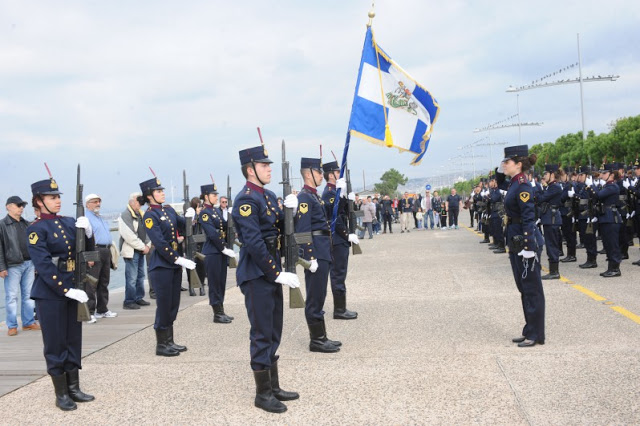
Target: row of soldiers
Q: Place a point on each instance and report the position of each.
(579, 205)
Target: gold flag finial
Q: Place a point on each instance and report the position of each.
(371, 14)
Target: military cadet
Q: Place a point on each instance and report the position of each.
(609, 218)
(566, 213)
(165, 265)
(635, 193)
(525, 243)
(626, 230)
(259, 222)
(586, 226)
(52, 245)
(311, 217)
(215, 250)
(340, 238)
(497, 213)
(549, 202)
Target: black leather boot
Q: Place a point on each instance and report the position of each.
(613, 271)
(637, 263)
(281, 395)
(202, 292)
(485, 241)
(225, 314)
(179, 348)
(219, 316)
(340, 310)
(553, 272)
(163, 348)
(571, 256)
(335, 343)
(608, 269)
(500, 249)
(63, 400)
(264, 394)
(319, 341)
(590, 263)
(73, 385)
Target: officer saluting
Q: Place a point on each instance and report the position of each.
(52, 245)
(165, 264)
(259, 223)
(341, 239)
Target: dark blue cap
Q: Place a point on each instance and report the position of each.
(45, 187)
(311, 163)
(512, 152)
(209, 189)
(14, 199)
(331, 166)
(607, 167)
(619, 166)
(551, 168)
(148, 186)
(256, 154)
(584, 170)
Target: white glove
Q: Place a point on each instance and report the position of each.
(626, 183)
(634, 181)
(341, 184)
(503, 192)
(628, 215)
(314, 266)
(83, 223)
(76, 294)
(229, 252)
(190, 213)
(533, 184)
(633, 213)
(291, 202)
(588, 181)
(527, 254)
(538, 222)
(603, 182)
(288, 278)
(353, 238)
(594, 220)
(189, 264)
(571, 193)
(352, 196)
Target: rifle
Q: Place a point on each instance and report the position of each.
(231, 231)
(81, 276)
(353, 215)
(291, 239)
(189, 242)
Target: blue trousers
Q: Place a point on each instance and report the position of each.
(589, 240)
(316, 287)
(552, 242)
(497, 230)
(263, 301)
(568, 233)
(526, 273)
(166, 283)
(61, 334)
(18, 282)
(134, 278)
(611, 241)
(216, 265)
(339, 268)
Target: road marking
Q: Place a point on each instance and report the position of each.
(589, 293)
(633, 317)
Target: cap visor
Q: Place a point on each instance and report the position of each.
(264, 160)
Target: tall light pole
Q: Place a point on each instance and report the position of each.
(584, 131)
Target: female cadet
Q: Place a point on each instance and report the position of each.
(165, 265)
(525, 242)
(52, 245)
(216, 251)
(549, 203)
(609, 218)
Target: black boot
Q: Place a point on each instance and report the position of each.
(602, 274)
(63, 400)
(553, 272)
(485, 241)
(202, 293)
(637, 263)
(571, 256)
(319, 341)
(281, 395)
(179, 348)
(590, 263)
(163, 348)
(219, 316)
(225, 314)
(614, 271)
(340, 310)
(264, 394)
(73, 385)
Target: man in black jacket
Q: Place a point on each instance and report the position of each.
(387, 213)
(16, 267)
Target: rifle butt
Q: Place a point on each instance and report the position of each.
(296, 300)
(194, 279)
(83, 312)
(233, 263)
(356, 249)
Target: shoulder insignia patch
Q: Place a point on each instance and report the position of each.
(304, 207)
(524, 196)
(33, 238)
(205, 217)
(148, 222)
(245, 210)
(521, 179)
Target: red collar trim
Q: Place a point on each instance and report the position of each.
(310, 189)
(48, 216)
(255, 187)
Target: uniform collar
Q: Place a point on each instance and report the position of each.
(155, 206)
(310, 189)
(255, 187)
(208, 206)
(48, 216)
(331, 185)
(518, 177)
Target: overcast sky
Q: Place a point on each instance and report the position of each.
(119, 86)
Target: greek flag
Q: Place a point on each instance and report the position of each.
(390, 108)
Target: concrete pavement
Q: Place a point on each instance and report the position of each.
(431, 345)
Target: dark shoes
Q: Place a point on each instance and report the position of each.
(319, 341)
(637, 263)
(340, 310)
(613, 270)
(73, 385)
(281, 395)
(568, 259)
(518, 339)
(500, 250)
(590, 263)
(174, 345)
(163, 347)
(529, 343)
(219, 316)
(142, 302)
(553, 274)
(63, 400)
(485, 241)
(265, 398)
(130, 306)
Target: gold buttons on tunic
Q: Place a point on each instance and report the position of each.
(55, 277)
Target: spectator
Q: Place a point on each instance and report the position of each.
(134, 245)
(443, 217)
(453, 208)
(378, 217)
(99, 296)
(395, 209)
(405, 207)
(427, 209)
(436, 205)
(16, 267)
(369, 214)
(416, 201)
(387, 213)
(419, 217)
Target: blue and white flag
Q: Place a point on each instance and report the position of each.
(387, 95)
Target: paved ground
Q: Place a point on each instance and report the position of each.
(431, 346)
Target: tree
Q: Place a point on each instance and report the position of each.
(389, 182)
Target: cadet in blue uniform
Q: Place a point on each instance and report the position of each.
(626, 230)
(497, 213)
(525, 243)
(259, 223)
(549, 202)
(52, 245)
(215, 250)
(340, 238)
(634, 190)
(165, 265)
(311, 217)
(586, 227)
(608, 218)
(567, 214)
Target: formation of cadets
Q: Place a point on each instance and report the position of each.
(259, 225)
